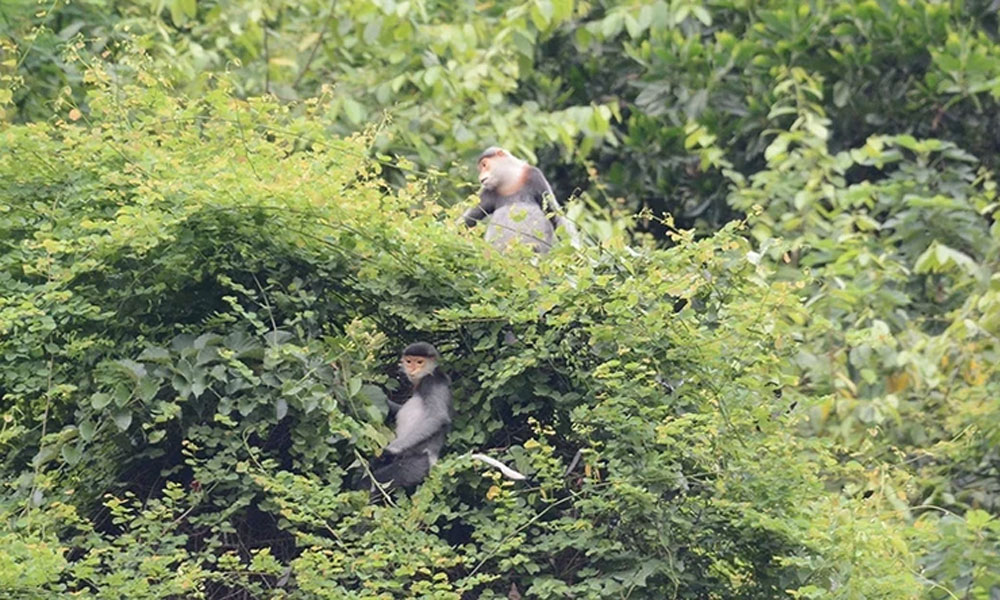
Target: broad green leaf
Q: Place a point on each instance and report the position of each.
(353, 110)
(71, 454)
(133, 368)
(99, 400)
(354, 386)
(122, 418)
(87, 430)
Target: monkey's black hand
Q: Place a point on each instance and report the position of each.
(381, 461)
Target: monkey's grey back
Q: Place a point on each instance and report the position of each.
(523, 219)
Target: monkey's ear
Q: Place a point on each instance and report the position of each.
(501, 153)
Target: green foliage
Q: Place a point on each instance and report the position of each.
(445, 84)
(33, 558)
(201, 300)
(608, 92)
(895, 246)
(962, 550)
(900, 272)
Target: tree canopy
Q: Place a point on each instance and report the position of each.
(770, 370)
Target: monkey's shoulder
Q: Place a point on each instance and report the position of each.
(435, 378)
(518, 205)
(537, 183)
(433, 386)
(526, 197)
(535, 176)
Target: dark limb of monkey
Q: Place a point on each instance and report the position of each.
(403, 471)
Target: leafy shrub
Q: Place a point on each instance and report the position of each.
(202, 302)
(895, 247)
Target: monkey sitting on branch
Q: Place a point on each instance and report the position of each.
(422, 423)
(519, 201)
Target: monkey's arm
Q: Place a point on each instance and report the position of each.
(486, 206)
(546, 198)
(393, 406)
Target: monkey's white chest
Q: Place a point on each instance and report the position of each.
(409, 416)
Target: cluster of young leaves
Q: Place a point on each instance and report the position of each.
(201, 304)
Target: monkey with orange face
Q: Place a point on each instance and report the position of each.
(519, 201)
(422, 424)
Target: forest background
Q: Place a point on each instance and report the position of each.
(776, 350)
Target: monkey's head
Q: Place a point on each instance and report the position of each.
(499, 169)
(419, 360)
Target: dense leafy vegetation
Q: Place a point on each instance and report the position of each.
(221, 220)
(607, 92)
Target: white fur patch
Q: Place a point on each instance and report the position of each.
(507, 471)
(410, 415)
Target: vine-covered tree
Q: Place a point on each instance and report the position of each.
(203, 302)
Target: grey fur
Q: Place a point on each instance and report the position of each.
(422, 424)
(530, 215)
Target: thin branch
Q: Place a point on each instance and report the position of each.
(267, 62)
(375, 482)
(246, 147)
(267, 305)
(319, 42)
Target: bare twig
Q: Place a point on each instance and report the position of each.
(319, 42)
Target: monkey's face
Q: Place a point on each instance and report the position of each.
(416, 367)
(497, 169)
(487, 178)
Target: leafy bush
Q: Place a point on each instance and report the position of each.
(202, 304)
